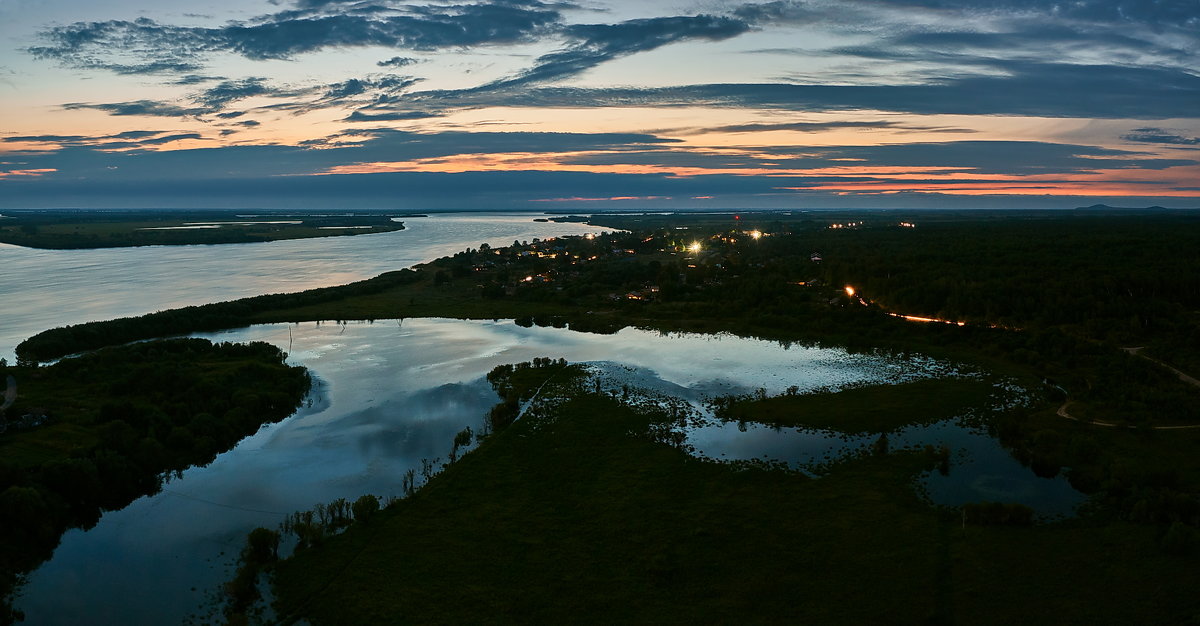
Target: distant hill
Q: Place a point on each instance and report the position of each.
(1105, 207)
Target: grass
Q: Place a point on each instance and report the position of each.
(579, 520)
(874, 409)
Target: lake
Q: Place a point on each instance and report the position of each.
(391, 394)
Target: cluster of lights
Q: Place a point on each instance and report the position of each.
(908, 225)
(846, 225)
(695, 247)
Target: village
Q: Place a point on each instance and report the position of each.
(620, 267)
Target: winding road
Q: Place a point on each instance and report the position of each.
(1062, 410)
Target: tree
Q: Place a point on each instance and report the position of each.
(364, 507)
(262, 546)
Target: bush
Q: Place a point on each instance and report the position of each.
(364, 507)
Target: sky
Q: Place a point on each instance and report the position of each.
(593, 105)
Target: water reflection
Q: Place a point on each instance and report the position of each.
(981, 470)
(388, 396)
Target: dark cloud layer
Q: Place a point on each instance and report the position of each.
(149, 108)
(119, 141)
(1160, 136)
(1010, 158)
(1166, 13)
(79, 159)
(156, 47)
(593, 44)
(366, 116)
(516, 190)
(1031, 88)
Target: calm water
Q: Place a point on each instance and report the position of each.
(42, 289)
(390, 394)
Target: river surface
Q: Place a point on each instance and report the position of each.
(391, 394)
(42, 289)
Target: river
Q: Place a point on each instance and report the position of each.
(42, 289)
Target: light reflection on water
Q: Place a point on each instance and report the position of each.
(44, 289)
(981, 470)
(389, 394)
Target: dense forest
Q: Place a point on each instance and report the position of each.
(92, 433)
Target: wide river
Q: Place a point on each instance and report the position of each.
(41, 289)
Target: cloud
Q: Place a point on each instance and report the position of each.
(215, 98)
(508, 190)
(372, 91)
(87, 159)
(1007, 158)
(118, 141)
(138, 107)
(1184, 14)
(1160, 136)
(1175, 13)
(593, 44)
(195, 79)
(146, 46)
(383, 86)
(397, 62)
(815, 127)
(1028, 89)
(361, 116)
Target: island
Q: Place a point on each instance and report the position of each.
(70, 229)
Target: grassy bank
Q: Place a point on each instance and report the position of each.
(873, 409)
(581, 517)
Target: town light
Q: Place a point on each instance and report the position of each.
(695, 247)
(849, 290)
(756, 234)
